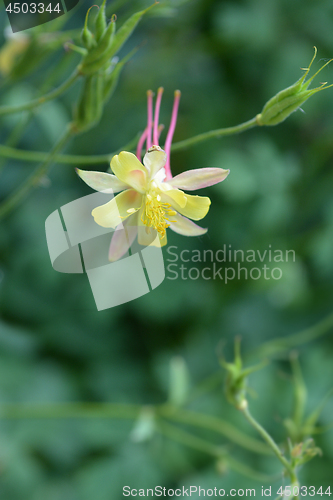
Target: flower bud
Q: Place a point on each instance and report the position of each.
(87, 37)
(277, 109)
(100, 22)
(103, 44)
(236, 379)
(110, 43)
(235, 382)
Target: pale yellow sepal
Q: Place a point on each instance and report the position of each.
(119, 208)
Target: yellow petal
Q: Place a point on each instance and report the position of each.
(130, 170)
(102, 181)
(176, 195)
(196, 206)
(119, 208)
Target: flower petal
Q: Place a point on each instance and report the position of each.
(101, 181)
(122, 239)
(175, 195)
(160, 176)
(186, 227)
(130, 170)
(154, 160)
(148, 236)
(200, 178)
(196, 206)
(115, 211)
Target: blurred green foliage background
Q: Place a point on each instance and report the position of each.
(228, 58)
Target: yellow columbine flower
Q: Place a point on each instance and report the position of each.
(151, 199)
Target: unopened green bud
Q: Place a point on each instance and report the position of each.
(236, 379)
(110, 43)
(100, 22)
(87, 37)
(290, 99)
(235, 382)
(104, 43)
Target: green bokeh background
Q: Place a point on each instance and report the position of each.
(228, 58)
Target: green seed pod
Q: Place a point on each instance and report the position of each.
(103, 44)
(279, 107)
(91, 63)
(236, 378)
(100, 22)
(90, 106)
(87, 37)
(80, 112)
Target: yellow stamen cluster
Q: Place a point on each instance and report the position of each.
(157, 214)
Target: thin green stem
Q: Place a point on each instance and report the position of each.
(131, 411)
(68, 410)
(272, 444)
(5, 110)
(15, 135)
(204, 446)
(34, 179)
(214, 134)
(26, 118)
(38, 156)
(214, 424)
(118, 410)
(270, 441)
